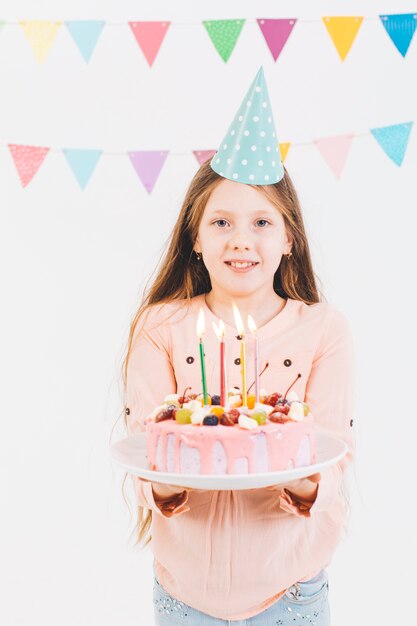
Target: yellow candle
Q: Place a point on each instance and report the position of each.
(241, 331)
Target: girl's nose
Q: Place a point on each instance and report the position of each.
(240, 242)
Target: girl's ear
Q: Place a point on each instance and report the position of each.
(288, 244)
(196, 246)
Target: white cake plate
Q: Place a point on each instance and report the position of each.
(130, 454)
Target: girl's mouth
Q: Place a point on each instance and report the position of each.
(241, 266)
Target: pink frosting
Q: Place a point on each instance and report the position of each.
(290, 444)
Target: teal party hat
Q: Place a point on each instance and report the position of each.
(250, 153)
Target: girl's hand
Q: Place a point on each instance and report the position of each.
(303, 488)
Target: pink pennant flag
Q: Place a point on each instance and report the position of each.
(148, 165)
(27, 160)
(334, 151)
(203, 155)
(276, 33)
(149, 36)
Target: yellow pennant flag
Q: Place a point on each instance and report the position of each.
(40, 35)
(283, 148)
(343, 31)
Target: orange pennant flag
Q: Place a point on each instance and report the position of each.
(343, 31)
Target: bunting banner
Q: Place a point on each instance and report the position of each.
(148, 164)
(85, 34)
(223, 34)
(40, 35)
(149, 36)
(82, 163)
(343, 31)
(400, 28)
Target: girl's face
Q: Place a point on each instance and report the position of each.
(242, 238)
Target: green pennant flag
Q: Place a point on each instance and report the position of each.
(224, 35)
(1, 25)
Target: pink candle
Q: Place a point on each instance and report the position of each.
(219, 330)
(254, 329)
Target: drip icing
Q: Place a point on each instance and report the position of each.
(283, 444)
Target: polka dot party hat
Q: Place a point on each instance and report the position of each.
(250, 152)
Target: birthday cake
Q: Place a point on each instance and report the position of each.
(186, 436)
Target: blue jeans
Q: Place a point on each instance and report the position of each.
(304, 604)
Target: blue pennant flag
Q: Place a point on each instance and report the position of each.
(393, 140)
(401, 29)
(82, 163)
(85, 33)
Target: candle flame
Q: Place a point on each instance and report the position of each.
(238, 320)
(252, 326)
(219, 330)
(201, 326)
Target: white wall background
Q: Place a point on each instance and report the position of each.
(73, 264)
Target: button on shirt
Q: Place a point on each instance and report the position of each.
(232, 554)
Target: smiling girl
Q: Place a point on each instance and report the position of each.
(256, 556)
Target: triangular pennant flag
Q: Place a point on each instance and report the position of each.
(40, 35)
(276, 33)
(393, 140)
(85, 34)
(203, 155)
(1, 25)
(224, 35)
(343, 31)
(400, 28)
(148, 165)
(283, 148)
(149, 36)
(27, 160)
(334, 151)
(82, 163)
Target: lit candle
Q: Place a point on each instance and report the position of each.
(200, 332)
(219, 330)
(253, 329)
(241, 331)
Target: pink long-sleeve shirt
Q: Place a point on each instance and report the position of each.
(232, 554)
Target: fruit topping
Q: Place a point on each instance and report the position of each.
(211, 420)
(217, 410)
(273, 398)
(215, 400)
(278, 417)
(200, 397)
(259, 416)
(167, 414)
(227, 420)
(283, 408)
(183, 416)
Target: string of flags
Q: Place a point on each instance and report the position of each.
(147, 164)
(224, 34)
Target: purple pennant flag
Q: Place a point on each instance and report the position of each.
(276, 33)
(148, 165)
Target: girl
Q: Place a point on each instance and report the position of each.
(256, 556)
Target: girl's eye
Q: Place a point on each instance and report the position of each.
(262, 223)
(220, 223)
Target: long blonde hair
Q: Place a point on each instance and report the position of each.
(181, 275)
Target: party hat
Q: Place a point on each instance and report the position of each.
(249, 153)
